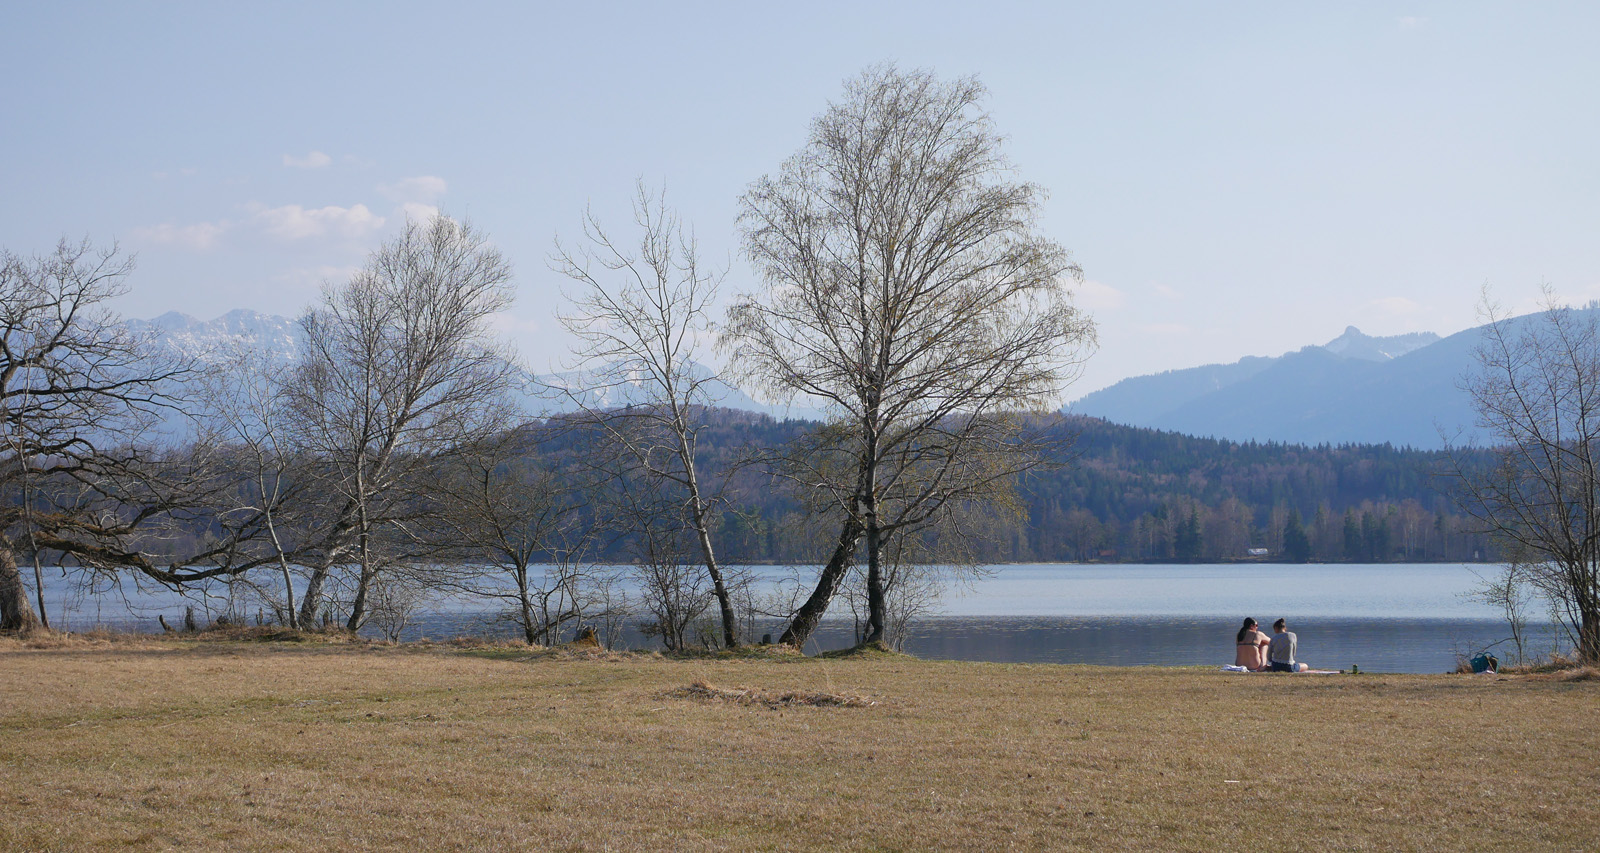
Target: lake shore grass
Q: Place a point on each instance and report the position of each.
(150, 743)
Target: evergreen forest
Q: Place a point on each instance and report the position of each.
(1113, 493)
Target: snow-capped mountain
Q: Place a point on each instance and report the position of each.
(278, 337)
(1354, 344)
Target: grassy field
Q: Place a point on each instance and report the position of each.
(159, 744)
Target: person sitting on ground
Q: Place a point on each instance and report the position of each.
(1281, 649)
(1250, 648)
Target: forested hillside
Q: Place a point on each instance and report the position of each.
(1127, 494)
(1137, 494)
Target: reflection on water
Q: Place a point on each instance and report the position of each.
(1385, 618)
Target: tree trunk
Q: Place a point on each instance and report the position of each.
(527, 605)
(358, 606)
(38, 590)
(877, 606)
(806, 618)
(16, 614)
(1589, 637)
(730, 623)
(311, 600)
(283, 560)
(877, 601)
(288, 580)
(335, 547)
(702, 526)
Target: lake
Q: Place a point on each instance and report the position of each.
(1392, 617)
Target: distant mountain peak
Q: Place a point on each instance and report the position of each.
(278, 336)
(170, 321)
(1357, 387)
(1356, 344)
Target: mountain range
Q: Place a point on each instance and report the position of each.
(1402, 390)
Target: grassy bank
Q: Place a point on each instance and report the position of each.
(155, 743)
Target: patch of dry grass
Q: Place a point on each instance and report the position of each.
(288, 746)
(1575, 673)
(98, 638)
(768, 698)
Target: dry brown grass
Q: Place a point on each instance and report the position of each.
(1576, 673)
(772, 700)
(287, 746)
(42, 639)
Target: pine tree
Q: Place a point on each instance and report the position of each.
(1296, 545)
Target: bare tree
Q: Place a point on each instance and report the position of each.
(907, 291)
(641, 314)
(399, 365)
(1507, 591)
(74, 387)
(394, 599)
(674, 594)
(243, 407)
(912, 588)
(1537, 397)
(521, 519)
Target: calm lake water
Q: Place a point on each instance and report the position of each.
(1383, 617)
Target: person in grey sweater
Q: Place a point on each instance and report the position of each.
(1282, 648)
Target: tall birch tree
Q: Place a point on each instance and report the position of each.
(399, 365)
(906, 289)
(641, 314)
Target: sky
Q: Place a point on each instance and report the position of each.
(1235, 179)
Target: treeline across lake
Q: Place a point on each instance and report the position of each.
(1115, 493)
(1137, 495)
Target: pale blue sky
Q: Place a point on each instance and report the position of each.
(1235, 178)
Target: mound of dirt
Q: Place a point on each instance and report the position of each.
(705, 692)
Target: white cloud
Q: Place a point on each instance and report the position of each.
(197, 237)
(1166, 292)
(293, 222)
(314, 160)
(416, 211)
(422, 188)
(1412, 22)
(1098, 296)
